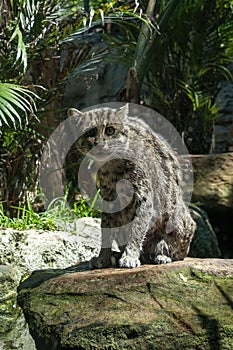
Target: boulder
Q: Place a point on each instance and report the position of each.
(204, 243)
(91, 87)
(223, 131)
(21, 252)
(29, 250)
(14, 333)
(213, 181)
(36, 249)
(181, 305)
(213, 192)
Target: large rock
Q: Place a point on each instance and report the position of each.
(224, 124)
(89, 88)
(213, 192)
(34, 249)
(21, 252)
(204, 243)
(213, 181)
(14, 333)
(182, 305)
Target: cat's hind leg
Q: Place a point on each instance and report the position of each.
(174, 244)
(162, 253)
(156, 250)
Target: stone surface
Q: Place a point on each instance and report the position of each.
(213, 180)
(204, 243)
(182, 305)
(213, 192)
(21, 252)
(91, 87)
(224, 124)
(14, 333)
(32, 249)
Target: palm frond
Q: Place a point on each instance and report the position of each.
(146, 46)
(21, 52)
(16, 104)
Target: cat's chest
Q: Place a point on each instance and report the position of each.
(111, 173)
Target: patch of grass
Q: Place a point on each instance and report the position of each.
(82, 209)
(57, 214)
(26, 218)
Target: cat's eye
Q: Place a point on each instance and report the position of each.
(91, 132)
(110, 130)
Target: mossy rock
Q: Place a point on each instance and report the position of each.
(9, 312)
(182, 305)
(14, 332)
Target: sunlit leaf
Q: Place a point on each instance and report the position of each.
(21, 55)
(16, 103)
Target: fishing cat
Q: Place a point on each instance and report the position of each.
(139, 178)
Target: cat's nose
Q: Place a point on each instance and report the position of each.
(100, 145)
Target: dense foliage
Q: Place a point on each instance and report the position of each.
(180, 62)
(189, 62)
(180, 52)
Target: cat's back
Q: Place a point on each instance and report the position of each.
(151, 148)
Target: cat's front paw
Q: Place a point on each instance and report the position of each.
(162, 259)
(129, 261)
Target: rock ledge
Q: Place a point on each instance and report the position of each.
(182, 305)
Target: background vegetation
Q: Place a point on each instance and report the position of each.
(177, 53)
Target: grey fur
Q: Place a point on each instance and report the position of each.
(154, 224)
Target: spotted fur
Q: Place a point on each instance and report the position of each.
(154, 224)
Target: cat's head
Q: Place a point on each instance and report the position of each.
(103, 131)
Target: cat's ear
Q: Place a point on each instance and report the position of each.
(125, 109)
(123, 112)
(74, 113)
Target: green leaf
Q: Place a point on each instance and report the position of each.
(13, 99)
(9, 111)
(21, 55)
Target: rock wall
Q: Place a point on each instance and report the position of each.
(224, 124)
(213, 192)
(99, 83)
